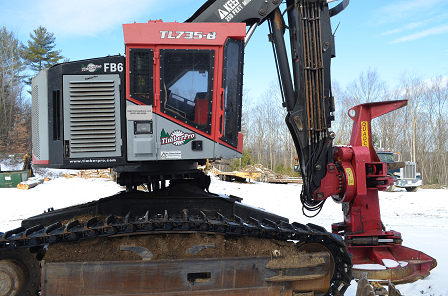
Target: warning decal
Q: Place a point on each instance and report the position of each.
(231, 8)
(365, 133)
(222, 13)
(350, 178)
(170, 154)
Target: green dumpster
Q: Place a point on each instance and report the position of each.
(10, 179)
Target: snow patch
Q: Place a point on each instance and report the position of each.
(403, 263)
(369, 266)
(389, 263)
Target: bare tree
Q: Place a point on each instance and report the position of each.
(436, 103)
(11, 85)
(368, 87)
(343, 123)
(390, 126)
(413, 90)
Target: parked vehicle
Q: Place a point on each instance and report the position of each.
(405, 173)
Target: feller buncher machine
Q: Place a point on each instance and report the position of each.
(173, 101)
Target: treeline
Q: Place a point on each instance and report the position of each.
(18, 64)
(267, 140)
(418, 132)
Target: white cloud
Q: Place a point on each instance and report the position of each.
(83, 17)
(404, 10)
(93, 17)
(432, 31)
(405, 28)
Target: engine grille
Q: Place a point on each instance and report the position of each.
(92, 116)
(409, 171)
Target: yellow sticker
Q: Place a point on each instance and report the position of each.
(365, 133)
(350, 178)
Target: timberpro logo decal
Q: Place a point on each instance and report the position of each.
(176, 138)
(90, 67)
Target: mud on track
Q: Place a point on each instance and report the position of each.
(167, 246)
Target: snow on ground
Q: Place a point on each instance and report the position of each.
(17, 204)
(420, 216)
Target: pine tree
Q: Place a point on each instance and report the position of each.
(40, 52)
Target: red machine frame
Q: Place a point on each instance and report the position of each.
(354, 180)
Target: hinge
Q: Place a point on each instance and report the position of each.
(156, 56)
(156, 100)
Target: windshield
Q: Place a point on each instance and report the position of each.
(186, 86)
(386, 157)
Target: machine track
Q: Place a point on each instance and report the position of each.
(24, 241)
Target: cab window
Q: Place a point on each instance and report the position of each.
(141, 77)
(232, 85)
(186, 89)
(385, 157)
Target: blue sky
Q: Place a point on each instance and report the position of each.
(391, 36)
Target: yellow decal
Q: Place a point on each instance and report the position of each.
(365, 133)
(349, 173)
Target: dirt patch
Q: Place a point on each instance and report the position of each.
(296, 261)
(168, 246)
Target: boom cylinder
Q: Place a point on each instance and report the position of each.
(282, 58)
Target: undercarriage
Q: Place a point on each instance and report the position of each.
(170, 242)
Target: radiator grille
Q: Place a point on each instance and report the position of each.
(409, 171)
(92, 116)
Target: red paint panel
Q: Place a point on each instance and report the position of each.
(38, 161)
(158, 32)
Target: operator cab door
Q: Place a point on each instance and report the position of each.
(186, 86)
(200, 95)
(232, 86)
